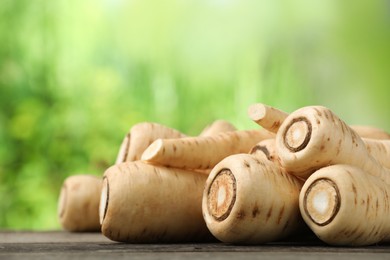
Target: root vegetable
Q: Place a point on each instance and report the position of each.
(78, 205)
(370, 132)
(271, 119)
(314, 137)
(265, 149)
(374, 138)
(140, 137)
(218, 126)
(202, 152)
(343, 205)
(379, 149)
(268, 117)
(247, 200)
(142, 203)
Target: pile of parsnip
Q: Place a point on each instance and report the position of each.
(299, 170)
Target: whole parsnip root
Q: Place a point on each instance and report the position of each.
(142, 203)
(78, 205)
(202, 152)
(343, 205)
(268, 117)
(271, 119)
(313, 137)
(371, 132)
(140, 137)
(218, 126)
(374, 138)
(247, 200)
(265, 148)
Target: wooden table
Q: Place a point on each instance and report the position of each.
(64, 245)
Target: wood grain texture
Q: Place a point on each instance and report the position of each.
(65, 245)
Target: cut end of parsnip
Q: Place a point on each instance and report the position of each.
(104, 197)
(297, 134)
(257, 112)
(152, 151)
(123, 150)
(62, 201)
(321, 202)
(221, 195)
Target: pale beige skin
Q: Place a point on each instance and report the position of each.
(202, 152)
(379, 149)
(314, 137)
(248, 200)
(140, 137)
(266, 148)
(345, 206)
(268, 117)
(218, 126)
(78, 205)
(371, 132)
(142, 203)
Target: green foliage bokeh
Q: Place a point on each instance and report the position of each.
(76, 75)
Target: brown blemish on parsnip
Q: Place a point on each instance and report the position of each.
(280, 215)
(269, 214)
(246, 164)
(241, 214)
(318, 112)
(255, 211)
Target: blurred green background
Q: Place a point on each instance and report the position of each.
(76, 75)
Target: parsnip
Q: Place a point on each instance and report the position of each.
(266, 148)
(371, 132)
(218, 126)
(379, 149)
(142, 203)
(249, 200)
(78, 205)
(202, 152)
(271, 119)
(313, 137)
(140, 137)
(268, 117)
(343, 205)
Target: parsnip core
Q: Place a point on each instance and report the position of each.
(297, 134)
(104, 197)
(321, 201)
(221, 195)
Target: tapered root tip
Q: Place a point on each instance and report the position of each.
(256, 112)
(322, 201)
(104, 199)
(297, 134)
(221, 195)
(62, 201)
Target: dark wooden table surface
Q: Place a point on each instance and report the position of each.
(64, 245)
